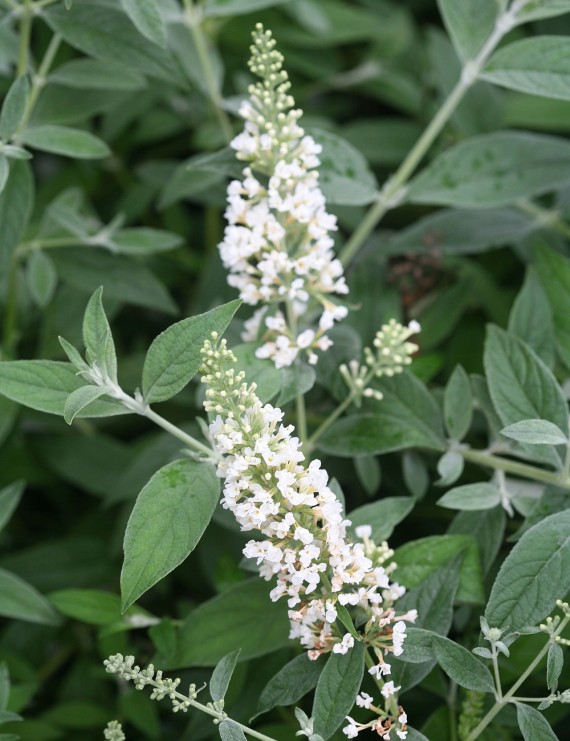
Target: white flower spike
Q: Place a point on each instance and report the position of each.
(277, 245)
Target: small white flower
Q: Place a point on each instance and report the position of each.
(364, 531)
(363, 700)
(388, 690)
(344, 646)
(351, 730)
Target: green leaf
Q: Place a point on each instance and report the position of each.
(237, 7)
(469, 23)
(531, 318)
(408, 416)
(461, 232)
(521, 386)
(344, 175)
(450, 467)
(487, 527)
(222, 675)
(554, 664)
(9, 499)
(4, 171)
(535, 432)
(16, 202)
(66, 141)
(382, 515)
(536, 9)
(41, 278)
(471, 497)
(122, 279)
(224, 623)
(554, 273)
(337, 688)
(144, 241)
(461, 666)
(4, 686)
(258, 370)
(167, 521)
(539, 66)
(494, 170)
(146, 16)
(533, 576)
(533, 725)
(98, 338)
(96, 74)
(418, 559)
(291, 683)
(107, 34)
(230, 731)
(45, 385)
(174, 356)
(369, 473)
(21, 601)
(81, 398)
(92, 606)
(458, 404)
(296, 380)
(13, 107)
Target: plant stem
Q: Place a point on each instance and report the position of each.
(299, 398)
(38, 81)
(193, 21)
(333, 416)
(522, 469)
(47, 244)
(393, 190)
(545, 217)
(452, 704)
(510, 695)
(498, 686)
(188, 440)
(25, 34)
(11, 310)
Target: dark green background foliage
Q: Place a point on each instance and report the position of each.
(115, 175)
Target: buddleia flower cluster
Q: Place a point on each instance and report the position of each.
(277, 245)
(304, 545)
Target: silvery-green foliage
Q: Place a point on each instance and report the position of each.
(445, 161)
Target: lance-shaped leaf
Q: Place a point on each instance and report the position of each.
(167, 521)
(535, 432)
(336, 690)
(174, 356)
(494, 170)
(533, 576)
(9, 499)
(539, 66)
(46, 384)
(98, 338)
(80, 398)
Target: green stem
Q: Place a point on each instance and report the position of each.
(393, 191)
(11, 310)
(522, 469)
(299, 398)
(188, 440)
(333, 416)
(545, 217)
(25, 248)
(25, 34)
(193, 21)
(452, 704)
(498, 686)
(510, 695)
(38, 81)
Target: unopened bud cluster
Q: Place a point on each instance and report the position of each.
(391, 354)
(125, 667)
(277, 245)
